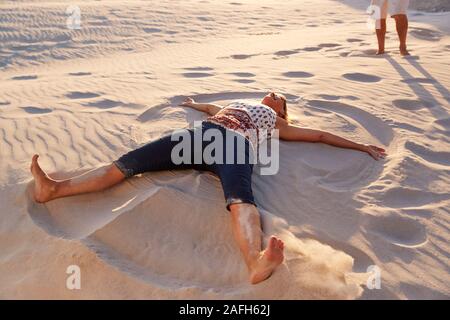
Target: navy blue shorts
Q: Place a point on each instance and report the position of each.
(235, 173)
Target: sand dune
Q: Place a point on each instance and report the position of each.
(81, 98)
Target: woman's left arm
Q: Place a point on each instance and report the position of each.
(293, 133)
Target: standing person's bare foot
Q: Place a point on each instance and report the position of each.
(268, 261)
(404, 51)
(44, 187)
(380, 52)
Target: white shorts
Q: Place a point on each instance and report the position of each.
(393, 6)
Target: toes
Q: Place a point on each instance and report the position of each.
(280, 244)
(272, 241)
(34, 161)
(276, 243)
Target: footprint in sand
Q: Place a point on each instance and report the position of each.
(436, 157)
(285, 53)
(329, 45)
(199, 69)
(79, 74)
(81, 95)
(242, 56)
(361, 77)
(104, 104)
(25, 77)
(152, 30)
(244, 81)
(205, 18)
(36, 110)
(197, 74)
(298, 74)
(398, 230)
(351, 40)
(329, 97)
(311, 49)
(407, 104)
(243, 74)
(425, 34)
(404, 197)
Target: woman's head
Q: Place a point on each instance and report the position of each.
(278, 103)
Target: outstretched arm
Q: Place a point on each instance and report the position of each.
(209, 108)
(293, 133)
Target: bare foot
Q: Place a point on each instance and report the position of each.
(404, 51)
(268, 261)
(380, 52)
(44, 187)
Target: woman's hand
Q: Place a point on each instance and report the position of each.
(375, 152)
(188, 102)
(209, 108)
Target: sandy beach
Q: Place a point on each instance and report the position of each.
(82, 94)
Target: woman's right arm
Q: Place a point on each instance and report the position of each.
(209, 108)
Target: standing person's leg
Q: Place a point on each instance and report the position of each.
(380, 26)
(399, 11)
(154, 156)
(401, 22)
(381, 36)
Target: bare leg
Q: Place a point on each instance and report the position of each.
(381, 35)
(247, 232)
(401, 23)
(47, 189)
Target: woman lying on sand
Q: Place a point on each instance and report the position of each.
(239, 119)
